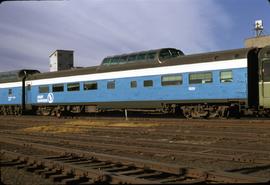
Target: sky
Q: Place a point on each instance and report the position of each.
(31, 31)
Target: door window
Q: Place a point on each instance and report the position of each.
(266, 73)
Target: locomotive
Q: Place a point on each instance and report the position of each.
(214, 84)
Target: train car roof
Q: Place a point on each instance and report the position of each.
(17, 75)
(181, 60)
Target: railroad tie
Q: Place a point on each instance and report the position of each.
(60, 177)
(41, 171)
(119, 168)
(51, 173)
(22, 166)
(10, 163)
(34, 168)
(135, 171)
(75, 180)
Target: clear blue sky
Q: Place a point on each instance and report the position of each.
(31, 31)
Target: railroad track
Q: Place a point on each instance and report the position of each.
(173, 133)
(214, 128)
(204, 152)
(79, 167)
(184, 151)
(74, 169)
(153, 137)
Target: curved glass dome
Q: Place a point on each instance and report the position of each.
(158, 55)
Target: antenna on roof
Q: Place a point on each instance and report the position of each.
(258, 27)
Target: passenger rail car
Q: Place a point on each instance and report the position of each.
(216, 84)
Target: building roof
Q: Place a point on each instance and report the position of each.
(60, 50)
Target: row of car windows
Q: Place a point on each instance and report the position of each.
(166, 80)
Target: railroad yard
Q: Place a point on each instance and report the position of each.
(87, 150)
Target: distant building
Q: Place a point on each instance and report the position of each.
(61, 60)
(259, 41)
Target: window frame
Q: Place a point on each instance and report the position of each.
(164, 54)
(133, 84)
(106, 61)
(10, 92)
(174, 53)
(200, 80)
(225, 80)
(114, 60)
(145, 83)
(78, 87)
(122, 60)
(111, 84)
(151, 55)
(141, 56)
(93, 86)
(171, 82)
(43, 89)
(57, 86)
(265, 76)
(132, 57)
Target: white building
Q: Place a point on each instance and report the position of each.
(61, 60)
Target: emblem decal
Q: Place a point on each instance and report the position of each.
(50, 98)
(44, 99)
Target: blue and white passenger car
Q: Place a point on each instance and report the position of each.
(201, 85)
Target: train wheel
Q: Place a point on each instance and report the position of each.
(187, 114)
(58, 114)
(45, 111)
(233, 111)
